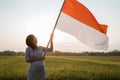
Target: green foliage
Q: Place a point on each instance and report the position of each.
(64, 68)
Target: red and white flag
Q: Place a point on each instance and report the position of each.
(78, 21)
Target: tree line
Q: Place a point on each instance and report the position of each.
(59, 53)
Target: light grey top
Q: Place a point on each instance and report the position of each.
(36, 69)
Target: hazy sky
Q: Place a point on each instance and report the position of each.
(18, 18)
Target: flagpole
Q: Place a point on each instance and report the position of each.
(55, 26)
(56, 23)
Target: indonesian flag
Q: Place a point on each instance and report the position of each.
(78, 21)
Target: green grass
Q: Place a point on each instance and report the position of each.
(64, 68)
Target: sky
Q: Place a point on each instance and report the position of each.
(19, 18)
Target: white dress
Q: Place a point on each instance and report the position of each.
(36, 69)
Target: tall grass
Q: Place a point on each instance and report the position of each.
(64, 68)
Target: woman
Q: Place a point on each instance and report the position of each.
(34, 55)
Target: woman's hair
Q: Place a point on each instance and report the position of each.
(30, 41)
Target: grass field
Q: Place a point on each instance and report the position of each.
(64, 68)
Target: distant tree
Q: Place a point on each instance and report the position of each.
(115, 51)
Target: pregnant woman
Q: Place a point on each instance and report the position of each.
(34, 55)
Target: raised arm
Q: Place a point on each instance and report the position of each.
(51, 44)
(48, 49)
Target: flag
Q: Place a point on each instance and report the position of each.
(77, 20)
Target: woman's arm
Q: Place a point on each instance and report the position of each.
(49, 49)
(29, 59)
(51, 44)
(36, 59)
